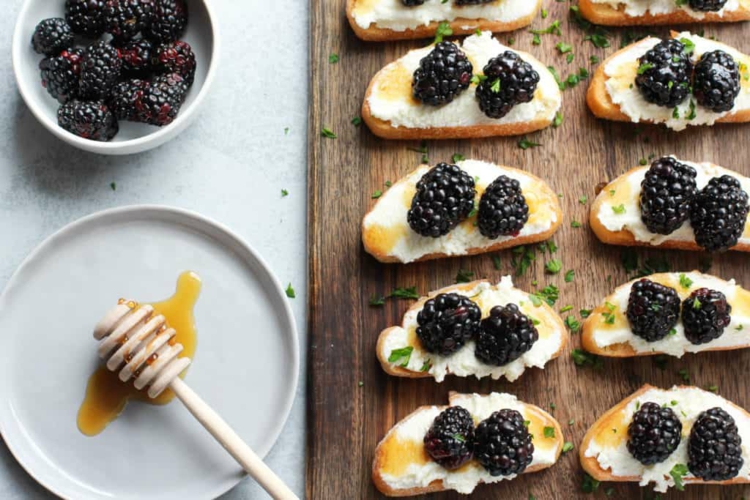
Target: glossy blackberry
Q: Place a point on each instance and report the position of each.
(412, 3)
(509, 80)
(86, 17)
(502, 443)
(664, 74)
(136, 57)
(666, 192)
(444, 197)
(175, 57)
(125, 98)
(705, 315)
(653, 310)
(707, 5)
(718, 214)
(716, 81)
(715, 446)
(100, 69)
(169, 21)
(52, 36)
(90, 120)
(502, 209)
(446, 322)
(61, 74)
(442, 75)
(505, 335)
(126, 18)
(161, 100)
(653, 434)
(450, 439)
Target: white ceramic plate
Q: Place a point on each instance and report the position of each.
(246, 363)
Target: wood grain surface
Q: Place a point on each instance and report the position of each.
(352, 403)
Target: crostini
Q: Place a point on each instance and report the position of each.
(404, 225)
(384, 20)
(702, 439)
(473, 329)
(670, 313)
(412, 459)
(685, 81)
(660, 12)
(492, 90)
(675, 204)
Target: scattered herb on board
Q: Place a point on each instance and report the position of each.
(464, 276)
(405, 293)
(496, 262)
(457, 157)
(333, 58)
(570, 276)
(553, 266)
(552, 29)
(589, 484)
(377, 194)
(356, 121)
(328, 133)
(525, 144)
(568, 446)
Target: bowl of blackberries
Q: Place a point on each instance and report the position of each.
(115, 76)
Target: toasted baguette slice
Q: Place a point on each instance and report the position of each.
(615, 215)
(613, 95)
(387, 236)
(608, 14)
(403, 468)
(604, 455)
(401, 353)
(391, 112)
(385, 20)
(607, 330)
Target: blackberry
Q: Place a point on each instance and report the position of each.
(125, 98)
(450, 439)
(442, 75)
(707, 5)
(412, 3)
(666, 192)
(175, 57)
(502, 209)
(505, 335)
(168, 22)
(509, 80)
(126, 18)
(90, 120)
(705, 315)
(100, 69)
(715, 446)
(718, 214)
(502, 443)
(444, 197)
(653, 310)
(447, 322)
(716, 81)
(664, 74)
(161, 100)
(653, 434)
(86, 17)
(136, 57)
(60, 75)
(52, 36)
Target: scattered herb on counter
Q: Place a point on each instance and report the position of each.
(526, 144)
(552, 29)
(589, 484)
(573, 324)
(553, 266)
(405, 293)
(678, 472)
(464, 276)
(583, 359)
(570, 276)
(568, 446)
(684, 375)
(558, 119)
(328, 133)
(685, 282)
(356, 121)
(377, 301)
(333, 58)
(575, 224)
(496, 262)
(377, 194)
(457, 157)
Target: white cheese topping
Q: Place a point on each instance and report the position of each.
(402, 110)
(690, 402)
(638, 8)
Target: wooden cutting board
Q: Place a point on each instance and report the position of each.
(351, 402)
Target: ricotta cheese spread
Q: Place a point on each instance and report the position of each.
(621, 72)
(391, 98)
(687, 403)
(638, 8)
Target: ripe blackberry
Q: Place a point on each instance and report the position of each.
(718, 214)
(705, 315)
(716, 81)
(505, 335)
(666, 192)
(509, 81)
(502, 209)
(450, 439)
(90, 120)
(653, 434)
(444, 197)
(126, 18)
(175, 57)
(86, 17)
(125, 99)
(60, 75)
(100, 69)
(447, 322)
(52, 36)
(168, 22)
(412, 3)
(161, 100)
(136, 57)
(502, 443)
(653, 310)
(442, 75)
(707, 5)
(664, 74)
(715, 446)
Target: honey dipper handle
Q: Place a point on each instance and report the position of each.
(231, 442)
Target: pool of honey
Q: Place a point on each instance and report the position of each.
(107, 396)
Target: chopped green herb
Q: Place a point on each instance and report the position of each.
(583, 72)
(678, 472)
(684, 375)
(572, 421)
(713, 388)
(558, 119)
(426, 366)
(568, 446)
(552, 29)
(570, 276)
(575, 224)
(327, 133)
(526, 144)
(333, 58)
(356, 121)
(401, 356)
(582, 358)
(619, 209)
(443, 30)
(689, 45)
(594, 60)
(690, 113)
(464, 276)
(569, 58)
(573, 324)
(113, 186)
(583, 199)
(564, 48)
(290, 291)
(553, 266)
(545, 13)
(644, 67)
(537, 40)
(495, 87)
(566, 308)
(377, 301)
(549, 294)
(589, 484)
(496, 262)
(585, 313)
(377, 194)
(284, 193)
(457, 157)
(405, 293)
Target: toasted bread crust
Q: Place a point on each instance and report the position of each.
(607, 15)
(460, 26)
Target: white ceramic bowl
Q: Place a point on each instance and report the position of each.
(202, 36)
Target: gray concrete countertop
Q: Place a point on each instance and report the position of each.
(245, 147)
